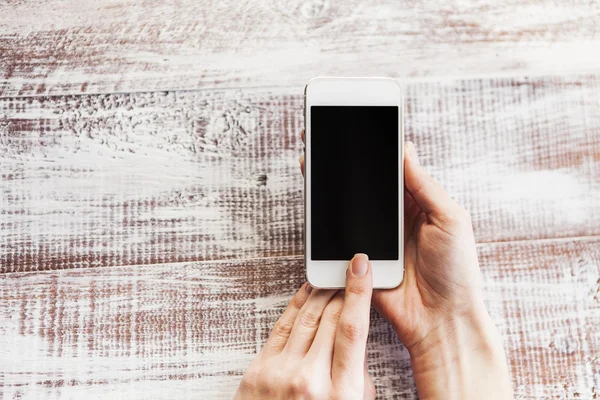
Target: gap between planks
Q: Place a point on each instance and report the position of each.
(288, 257)
(403, 81)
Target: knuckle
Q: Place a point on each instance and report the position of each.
(333, 314)
(266, 390)
(282, 329)
(250, 381)
(358, 289)
(299, 385)
(419, 189)
(247, 385)
(351, 330)
(303, 387)
(267, 384)
(297, 302)
(310, 318)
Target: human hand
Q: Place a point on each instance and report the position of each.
(317, 348)
(438, 310)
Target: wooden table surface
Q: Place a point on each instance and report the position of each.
(151, 211)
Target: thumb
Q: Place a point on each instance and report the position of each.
(429, 195)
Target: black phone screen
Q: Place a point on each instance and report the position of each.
(354, 182)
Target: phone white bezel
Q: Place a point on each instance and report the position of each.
(352, 92)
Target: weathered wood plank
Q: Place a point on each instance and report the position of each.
(545, 298)
(149, 178)
(177, 330)
(151, 331)
(57, 47)
(101, 180)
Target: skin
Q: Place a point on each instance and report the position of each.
(437, 312)
(317, 348)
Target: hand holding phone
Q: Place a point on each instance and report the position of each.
(438, 310)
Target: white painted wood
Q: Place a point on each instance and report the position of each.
(148, 241)
(189, 330)
(125, 179)
(58, 47)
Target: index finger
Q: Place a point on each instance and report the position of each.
(283, 327)
(353, 327)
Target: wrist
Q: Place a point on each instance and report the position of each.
(461, 358)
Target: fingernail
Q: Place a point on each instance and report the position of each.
(308, 288)
(360, 264)
(412, 152)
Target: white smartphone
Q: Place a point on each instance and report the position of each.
(354, 179)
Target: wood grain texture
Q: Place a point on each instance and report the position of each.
(189, 330)
(125, 179)
(149, 240)
(58, 47)
(150, 178)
